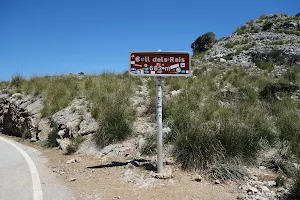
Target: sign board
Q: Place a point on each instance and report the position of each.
(160, 63)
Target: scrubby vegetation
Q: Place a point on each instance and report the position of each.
(219, 118)
(59, 91)
(109, 96)
(51, 140)
(75, 142)
(282, 42)
(231, 44)
(295, 190)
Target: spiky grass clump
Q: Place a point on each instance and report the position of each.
(109, 95)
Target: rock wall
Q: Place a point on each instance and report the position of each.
(20, 115)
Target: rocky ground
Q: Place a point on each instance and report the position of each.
(273, 37)
(116, 177)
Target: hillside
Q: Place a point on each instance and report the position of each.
(236, 119)
(274, 38)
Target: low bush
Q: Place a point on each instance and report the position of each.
(51, 140)
(265, 65)
(294, 192)
(282, 42)
(226, 171)
(110, 95)
(75, 142)
(267, 26)
(17, 81)
(204, 42)
(289, 128)
(59, 92)
(242, 30)
(280, 181)
(149, 148)
(293, 74)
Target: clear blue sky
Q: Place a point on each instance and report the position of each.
(47, 37)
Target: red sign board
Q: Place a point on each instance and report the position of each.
(160, 63)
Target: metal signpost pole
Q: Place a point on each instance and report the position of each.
(159, 137)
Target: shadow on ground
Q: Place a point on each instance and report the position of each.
(136, 162)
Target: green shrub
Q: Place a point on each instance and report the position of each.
(51, 140)
(265, 65)
(109, 95)
(17, 81)
(195, 146)
(75, 142)
(226, 171)
(293, 74)
(289, 128)
(267, 26)
(4, 85)
(280, 181)
(263, 17)
(231, 44)
(281, 42)
(204, 42)
(241, 30)
(149, 148)
(247, 93)
(294, 192)
(26, 134)
(59, 92)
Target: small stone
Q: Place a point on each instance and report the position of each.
(222, 60)
(72, 179)
(71, 161)
(217, 181)
(271, 183)
(262, 167)
(162, 176)
(241, 197)
(252, 190)
(197, 178)
(265, 189)
(281, 189)
(170, 161)
(62, 173)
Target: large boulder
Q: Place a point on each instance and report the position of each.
(75, 119)
(20, 114)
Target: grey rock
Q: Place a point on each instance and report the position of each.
(265, 189)
(73, 160)
(63, 144)
(73, 179)
(76, 119)
(44, 129)
(271, 183)
(252, 190)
